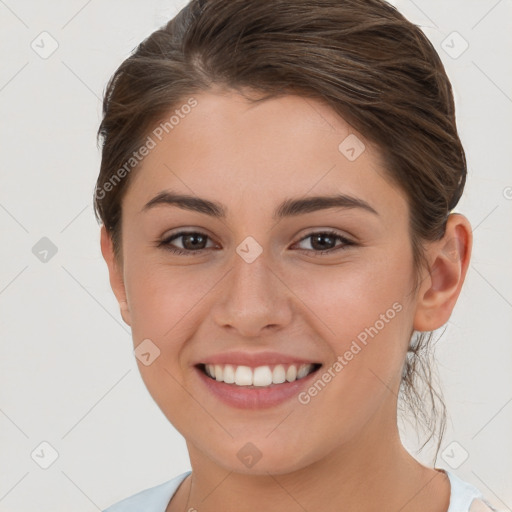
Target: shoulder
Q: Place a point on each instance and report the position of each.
(154, 499)
(465, 497)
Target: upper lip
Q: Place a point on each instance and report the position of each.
(254, 359)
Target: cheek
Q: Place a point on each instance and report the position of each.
(341, 306)
(161, 297)
(362, 313)
(364, 319)
(339, 301)
(346, 299)
(164, 304)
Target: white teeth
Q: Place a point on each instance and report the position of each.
(302, 372)
(291, 373)
(260, 376)
(243, 376)
(229, 374)
(278, 375)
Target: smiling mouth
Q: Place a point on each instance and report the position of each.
(260, 376)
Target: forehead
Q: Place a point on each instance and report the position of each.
(230, 148)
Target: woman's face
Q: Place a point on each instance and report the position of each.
(259, 278)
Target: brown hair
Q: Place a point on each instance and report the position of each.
(362, 57)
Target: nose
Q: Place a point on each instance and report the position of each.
(253, 298)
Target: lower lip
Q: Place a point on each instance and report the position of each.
(244, 397)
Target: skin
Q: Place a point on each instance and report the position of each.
(342, 450)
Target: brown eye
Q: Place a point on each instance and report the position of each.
(325, 242)
(192, 242)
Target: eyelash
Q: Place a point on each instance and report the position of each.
(165, 244)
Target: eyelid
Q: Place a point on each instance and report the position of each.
(330, 231)
(166, 239)
(346, 241)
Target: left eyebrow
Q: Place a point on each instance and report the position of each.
(288, 208)
(292, 207)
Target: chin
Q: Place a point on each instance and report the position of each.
(251, 460)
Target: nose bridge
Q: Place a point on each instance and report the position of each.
(252, 296)
(252, 273)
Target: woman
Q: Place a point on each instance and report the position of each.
(276, 189)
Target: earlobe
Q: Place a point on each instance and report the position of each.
(115, 274)
(125, 311)
(440, 289)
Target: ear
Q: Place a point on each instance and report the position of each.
(449, 259)
(115, 274)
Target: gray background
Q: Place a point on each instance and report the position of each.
(67, 372)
